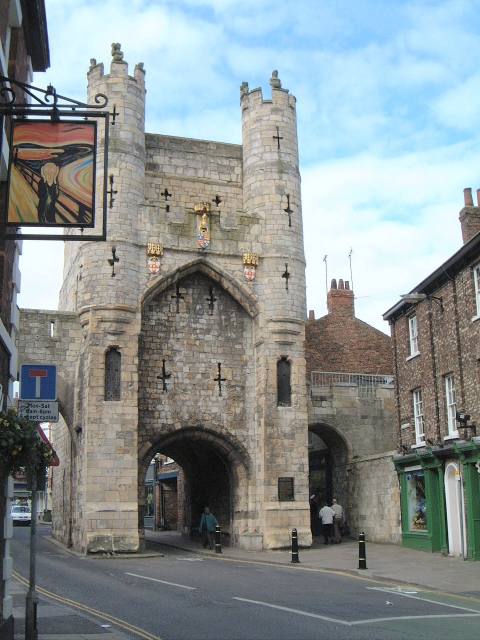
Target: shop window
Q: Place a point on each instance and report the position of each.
(417, 506)
(284, 386)
(113, 362)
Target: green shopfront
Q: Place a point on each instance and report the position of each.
(440, 498)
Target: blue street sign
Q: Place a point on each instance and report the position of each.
(38, 382)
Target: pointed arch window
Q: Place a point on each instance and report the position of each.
(284, 385)
(113, 364)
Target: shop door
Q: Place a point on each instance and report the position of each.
(455, 510)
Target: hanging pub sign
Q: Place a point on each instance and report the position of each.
(51, 180)
(53, 164)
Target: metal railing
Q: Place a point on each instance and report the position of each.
(365, 383)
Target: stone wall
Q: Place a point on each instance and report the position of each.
(53, 337)
(374, 498)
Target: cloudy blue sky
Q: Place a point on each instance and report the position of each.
(388, 108)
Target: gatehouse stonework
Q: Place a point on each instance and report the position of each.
(185, 334)
(191, 338)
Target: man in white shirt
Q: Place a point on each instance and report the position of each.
(327, 515)
(337, 520)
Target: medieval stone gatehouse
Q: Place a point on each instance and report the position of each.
(184, 334)
(195, 348)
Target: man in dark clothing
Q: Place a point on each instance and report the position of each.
(208, 522)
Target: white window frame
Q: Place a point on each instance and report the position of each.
(451, 405)
(476, 283)
(418, 416)
(413, 334)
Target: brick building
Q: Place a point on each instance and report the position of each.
(23, 50)
(351, 416)
(436, 340)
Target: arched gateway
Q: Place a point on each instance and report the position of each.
(195, 376)
(215, 473)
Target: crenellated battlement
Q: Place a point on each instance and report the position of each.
(252, 98)
(118, 68)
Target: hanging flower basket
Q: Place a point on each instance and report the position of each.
(21, 446)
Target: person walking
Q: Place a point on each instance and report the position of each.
(327, 515)
(314, 503)
(337, 521)
(208, 522)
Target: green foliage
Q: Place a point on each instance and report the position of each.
(20, 445)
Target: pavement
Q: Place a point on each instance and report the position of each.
(385, 562)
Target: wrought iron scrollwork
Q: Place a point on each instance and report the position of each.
(10, 90)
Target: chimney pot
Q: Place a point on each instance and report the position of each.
(467, 197)
(311, 315)
(470, 216)
(333, 284)
(340, 301)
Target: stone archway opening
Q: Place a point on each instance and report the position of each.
(191, 469)
(328, 456)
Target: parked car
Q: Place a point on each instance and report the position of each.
(21, 514)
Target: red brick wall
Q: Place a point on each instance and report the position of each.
(340, 343)
(451, 346)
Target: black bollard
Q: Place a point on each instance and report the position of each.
(295, 547)
(218, 539)
(362, 552)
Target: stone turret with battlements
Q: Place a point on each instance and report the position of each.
(271, 192)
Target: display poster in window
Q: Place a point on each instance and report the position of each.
(51, 178)
(417, 507)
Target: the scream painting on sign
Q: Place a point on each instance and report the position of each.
(52, 173)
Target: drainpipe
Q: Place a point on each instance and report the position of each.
(460, 511)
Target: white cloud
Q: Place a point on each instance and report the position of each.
(386, 99)
(397, 214)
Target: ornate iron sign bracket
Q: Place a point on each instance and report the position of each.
(48, 105)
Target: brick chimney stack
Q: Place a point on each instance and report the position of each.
(470, 216)
(340, 301)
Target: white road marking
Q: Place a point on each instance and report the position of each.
(409, 595)
(430, 616)
(297, 611)
(171, 584)
(352, 623)
(190, 559)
